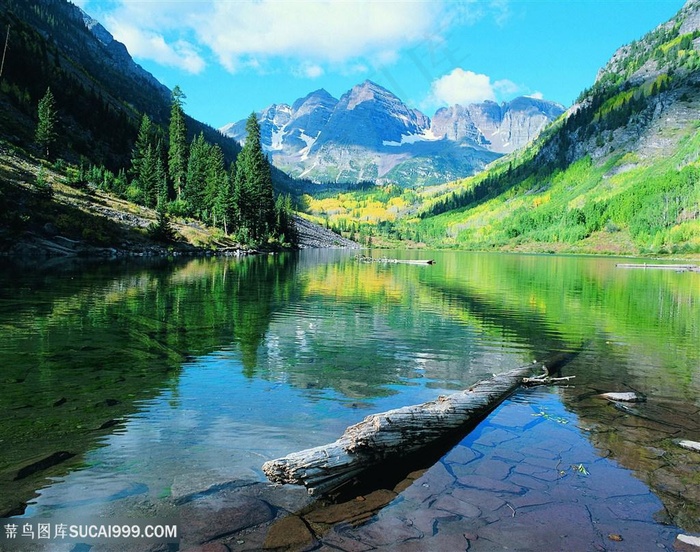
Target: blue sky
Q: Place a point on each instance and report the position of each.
(232, 57)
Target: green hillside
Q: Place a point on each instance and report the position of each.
(73, 101)
(617, 173)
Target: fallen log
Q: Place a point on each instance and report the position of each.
(367, 259)
(676, 267)
(396, 433)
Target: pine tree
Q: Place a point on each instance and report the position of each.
(216, 181)
(161, 178)
(254, 185)
(46, 134)
(285, 228)
(177, 152)
(144, 139)
(225, 206)
(193, 188)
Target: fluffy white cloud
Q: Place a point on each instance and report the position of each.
(322, 31)
(309, 36)
(309, 71)
(149, 44)
(466, 87)
(315, 34)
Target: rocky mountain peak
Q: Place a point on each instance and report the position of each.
(366, 92)
(317, 99)
(370, 133)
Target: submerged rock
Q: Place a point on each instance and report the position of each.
(290, 533)
(625, 397)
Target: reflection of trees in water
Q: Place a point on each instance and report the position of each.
(87, 343)
(97, 334)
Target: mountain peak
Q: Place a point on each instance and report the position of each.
(371, 134)
(315, 98)
(367, 91)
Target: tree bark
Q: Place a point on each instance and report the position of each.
(396, 433)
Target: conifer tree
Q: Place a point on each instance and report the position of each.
(254, 184)
(146, 180)
(177, 151)
(144, 139)
(193, 188)
(161, 178)
(46, 134)
(225, 205)
(216, 181)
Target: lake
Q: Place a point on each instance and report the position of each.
(158, 388)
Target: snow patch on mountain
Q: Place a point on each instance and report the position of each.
(426, 135)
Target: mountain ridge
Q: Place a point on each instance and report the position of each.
(370, 134)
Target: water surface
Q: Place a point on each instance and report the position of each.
(159, 377)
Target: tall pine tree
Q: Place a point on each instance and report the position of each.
(254, 185)
(195, 183)
(144, 139)
(177, 151)
(46, 134)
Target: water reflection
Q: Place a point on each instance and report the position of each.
(211, 366)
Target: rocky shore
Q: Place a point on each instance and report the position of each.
(314, 236)
(48, 242)
(524, 480)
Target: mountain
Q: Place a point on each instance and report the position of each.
(370, 134)
(100, 91)
(619, 172)
(502, 128)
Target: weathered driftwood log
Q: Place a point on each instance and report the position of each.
(395, 433)
(676, 267)
(367, 259)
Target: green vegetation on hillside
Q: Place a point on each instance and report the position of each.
(79, 102)
(619, 173)
(191, 180)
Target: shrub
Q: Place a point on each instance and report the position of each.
(161, 230)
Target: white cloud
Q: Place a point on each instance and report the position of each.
(536, 95)
(327, 31)
(308, 36)
(504, 87)
(309, 71)
(461, 87)
(321, 33)
(146, 43)
(467, 87)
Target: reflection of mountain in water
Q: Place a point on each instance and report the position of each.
(83, 347)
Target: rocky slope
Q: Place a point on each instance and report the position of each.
(314, 236)
(370, 134)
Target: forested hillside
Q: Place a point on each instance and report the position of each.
(72, 96)
(618, 172)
